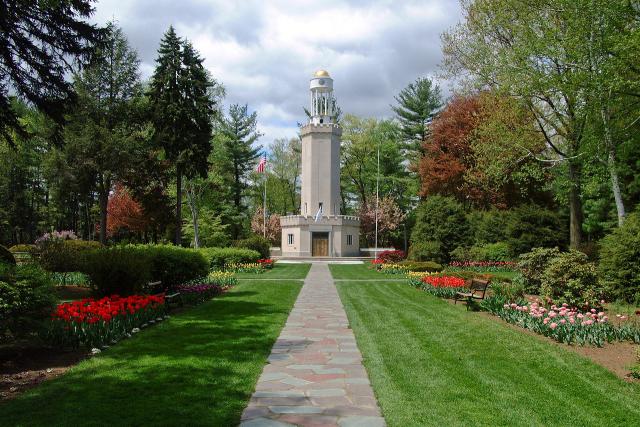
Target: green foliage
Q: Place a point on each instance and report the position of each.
(426, 251)
(530, 226)
(257, 243)
(499, 251)
(440, 219)
(173, 265)
(426, 266)
(620, 260)
(532, 266)
(570, 277)
(6, 256)
(26, 298)
(508, 292)
(64, 256)
(219, 257)
(23, 248)
(118, 270)
(487, 226)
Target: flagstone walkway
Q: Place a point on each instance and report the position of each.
(314, 376)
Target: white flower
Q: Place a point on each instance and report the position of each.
(135, 330)
(95, 350)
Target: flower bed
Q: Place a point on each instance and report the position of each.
(266, 263)
(391, 269)
(200, 290)
(225, 279)
(258, 267)
(440, 286)
(391, 256)
(98, 323)
(481, 266)
(567, 325)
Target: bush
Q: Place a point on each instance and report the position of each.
(488, 226)
(427, 266)
(441, 220)
(6, 257)
(530, 226)
(120, 270)
(391, 256)
(461, 254)
(620, 260)
(570, 278)
(426, 251)
(173, 265)
(532, 265)
(498, 251)
(257, 243)
(26, 298)
(217, 258)
(64, 256)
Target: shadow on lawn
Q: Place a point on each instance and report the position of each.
(197, 369)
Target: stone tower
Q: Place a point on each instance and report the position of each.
(320, 230)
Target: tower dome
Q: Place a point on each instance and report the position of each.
(322, 100)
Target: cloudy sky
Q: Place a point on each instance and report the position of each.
(265, 52)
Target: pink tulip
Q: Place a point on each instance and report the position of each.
(553, 325)
(563, 321)
(546, 320)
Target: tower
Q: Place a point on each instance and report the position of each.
(319, 229)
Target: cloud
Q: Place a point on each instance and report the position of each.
(265, 52)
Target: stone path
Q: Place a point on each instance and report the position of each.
(314, 376)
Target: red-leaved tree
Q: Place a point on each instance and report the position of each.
(124, 213)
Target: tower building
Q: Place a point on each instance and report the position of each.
(319, 229)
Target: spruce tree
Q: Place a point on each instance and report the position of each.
(39, 41)
(182, 111)
(417, 103)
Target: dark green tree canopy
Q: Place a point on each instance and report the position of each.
(416, 105)
(39, 40)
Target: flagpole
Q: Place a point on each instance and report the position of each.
(377, 196)
(264, 205)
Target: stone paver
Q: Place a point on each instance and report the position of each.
(314, 375)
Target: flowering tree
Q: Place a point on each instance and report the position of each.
(389, 219)
(273, 228)
(123, 212)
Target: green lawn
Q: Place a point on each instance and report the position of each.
(358, 272)
(432, 363)
(280, 271)
(198, 368)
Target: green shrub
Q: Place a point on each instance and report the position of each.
(498, 251)
(64, 256)
(426, 266)
(620, 260)
(488, 226)
(217, 258)
(173, 265)
(119, 270)
(508, 292)
(257, 243)
(426, 251)
(530, 226)
(440, 220)
(532, 265)
(461, 254)
(6, 256)
(570, 277)
(26, 299)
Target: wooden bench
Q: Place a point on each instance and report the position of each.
(173, 299)
(477, 291)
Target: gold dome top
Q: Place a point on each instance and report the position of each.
(321, 73)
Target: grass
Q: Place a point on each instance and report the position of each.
(198, 368)
(432, 363)
(280, 271)
(359, 272)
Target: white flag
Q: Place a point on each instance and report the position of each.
(318, 214)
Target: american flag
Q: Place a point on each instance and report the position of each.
(262, 164)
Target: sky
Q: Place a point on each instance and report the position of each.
(265, 52)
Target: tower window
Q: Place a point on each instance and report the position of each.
(321, 121)
(290, 239)
(349, 239)
(320, 207)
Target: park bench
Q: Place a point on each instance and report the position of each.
(477, 291)
(173, 300)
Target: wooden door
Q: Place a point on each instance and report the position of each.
(320, 244)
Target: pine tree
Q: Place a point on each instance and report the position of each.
(416, 105)
(182, 110)
(38, 43)
(238, 134)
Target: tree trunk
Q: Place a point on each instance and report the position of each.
(194, 216)
(104, 201)
(178, 237)
(575, 205)
(611, 165)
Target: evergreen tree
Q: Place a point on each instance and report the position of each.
(416, 105)
(237, 134)
(38, 42)
(182, 109)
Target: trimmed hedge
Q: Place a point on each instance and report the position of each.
(63, 256)
(217, 258)
(256, 243)
(427, 266)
